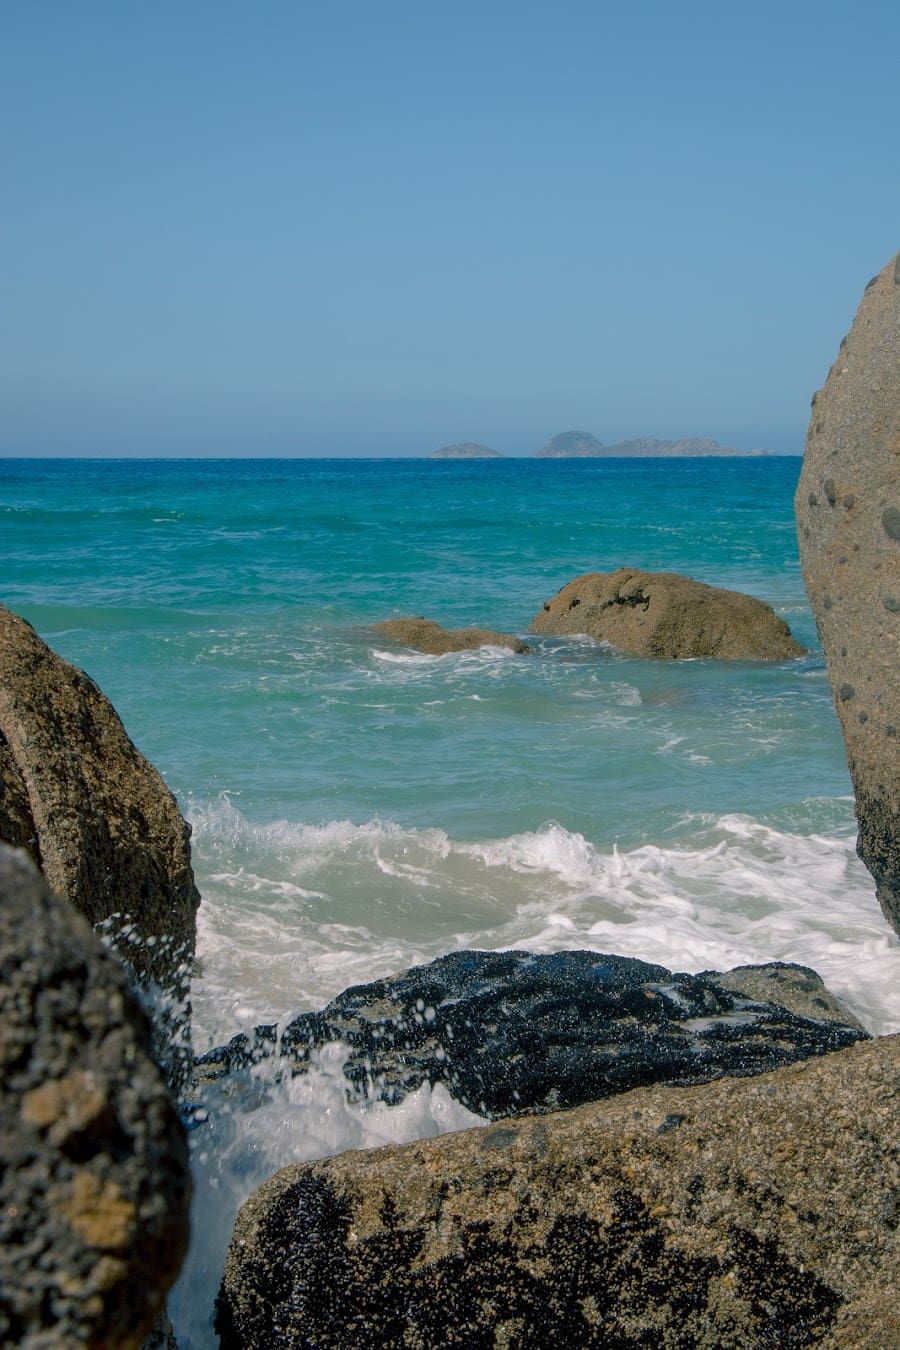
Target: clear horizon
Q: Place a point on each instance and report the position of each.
(312, 232)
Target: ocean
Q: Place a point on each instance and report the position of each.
(359, 808)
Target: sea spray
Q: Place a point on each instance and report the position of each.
(259, 1122)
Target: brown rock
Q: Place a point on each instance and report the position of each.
(92, 812)
(848, 518)
(662, 614)
(94, 1180)
(428, 636)
(745, 1212)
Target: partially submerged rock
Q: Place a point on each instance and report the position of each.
(509, 1032)
(746, 1212)
(662, 614)
(428, 636)
(93, 813)
(848, 514)
(94, 1181)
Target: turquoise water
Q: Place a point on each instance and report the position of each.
(358, 807)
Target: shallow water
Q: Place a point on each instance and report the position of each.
(358, 807)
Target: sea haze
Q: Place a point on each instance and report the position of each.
(359, 807)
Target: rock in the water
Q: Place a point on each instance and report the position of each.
(94, 1181)
(510, 1032)
(96, 817)
(848, 518)
(663, 614)
(428, 636)
(747, 1212)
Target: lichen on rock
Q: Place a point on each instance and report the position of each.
(94, 1181)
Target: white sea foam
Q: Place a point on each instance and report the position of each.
(294, 912)
(297, 1120)
(315, 908)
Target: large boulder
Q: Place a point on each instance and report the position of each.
(511, 1032)
(848, 517)
(93, 813)
(94, 1181)
(746, 1212)
(662, 614)
(427, 636)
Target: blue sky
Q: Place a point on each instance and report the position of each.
(357, 228)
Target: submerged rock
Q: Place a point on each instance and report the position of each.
(752, 1212)
(94, 1181)
(509, 1032)
(428, 636)
(93, 813)
(848, 517)
(662, 614)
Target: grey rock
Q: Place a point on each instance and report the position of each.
(746, 1212)
(850, 555)
(94, 1181)
(93, 813)
(427, 636)
(662, 614)
(162, 1336)
(510, 1032)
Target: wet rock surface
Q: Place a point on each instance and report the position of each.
(427, 636)
(93, 813)
(664, 615)
(745, 1212)
(94, 1182)
(509, 1032)
(848, 517)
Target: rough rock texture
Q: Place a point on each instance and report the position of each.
(430, 637)
(663, 614)
(848, 518)
(94, 1183)
(96, 817)
(743, 1213)
(510, 1032)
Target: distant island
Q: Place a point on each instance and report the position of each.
(466, 450)
(581, 444)
(584, 445)
(571, 444)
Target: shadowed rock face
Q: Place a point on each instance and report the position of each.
(662, 614)
(747, 1212)
(848, 518)
(428, 636)
(94, 1182)
(510, 1032)
(96, 817)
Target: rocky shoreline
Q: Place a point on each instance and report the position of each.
(726, 1173)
